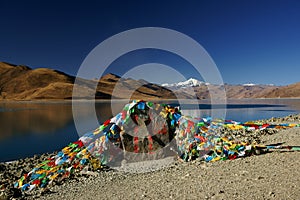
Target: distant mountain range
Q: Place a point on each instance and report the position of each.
(192, 82)
(248, 90)
(188, 83)
(18, 82)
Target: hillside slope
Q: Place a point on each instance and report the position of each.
(23, 83)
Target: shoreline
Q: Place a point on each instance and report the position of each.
(108, 100)
(184, 173)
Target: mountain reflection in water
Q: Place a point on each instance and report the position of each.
(28, 128)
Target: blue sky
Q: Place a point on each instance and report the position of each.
(250, 41)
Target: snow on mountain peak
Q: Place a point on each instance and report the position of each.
(188, 83)
(249, 84)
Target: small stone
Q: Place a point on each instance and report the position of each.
(257, 151)
(259, 178)
(271, 193)
(2, 167)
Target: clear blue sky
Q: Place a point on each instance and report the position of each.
(250, 41)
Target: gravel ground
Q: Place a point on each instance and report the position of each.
(273, 175)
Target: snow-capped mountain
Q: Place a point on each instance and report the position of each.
(253, 84)
(249, 84)
(188, 83)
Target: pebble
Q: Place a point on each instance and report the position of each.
(259, 178)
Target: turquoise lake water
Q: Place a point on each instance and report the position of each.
(28, 128)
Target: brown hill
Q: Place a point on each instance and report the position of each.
(232, 91)
(23, 83)
(111, 84)
(289, 91)
(244, 91)
(263, 91)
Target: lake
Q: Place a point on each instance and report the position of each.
(28, 128)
